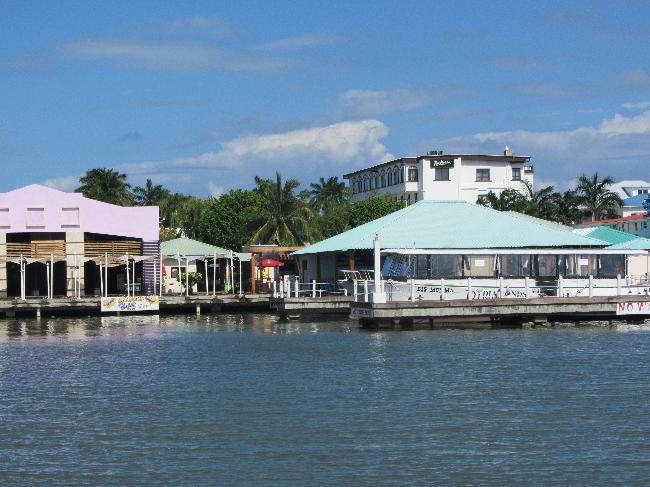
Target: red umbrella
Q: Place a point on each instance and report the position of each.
(271, 263)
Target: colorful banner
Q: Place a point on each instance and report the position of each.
(636, 308)
(130, 303)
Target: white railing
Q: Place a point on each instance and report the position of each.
(501, 288)
(295, 289)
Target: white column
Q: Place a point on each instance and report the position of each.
(178, 258)
(442, 289)
(207, 284)
(412, 290)
(591, 285)
(275, 289)
(187, 276)
(47, 271)
(296, 287)
(133, 279)
(313, 288)
(355, 295)
(160, 281)
(51, 283)
(365, 290)
(106, 274)
(101, 279)
(155, 264)
(560, 284)
(227, 273)
(527, 284)
(469, 288)
(22, 277)
(214, 274)
(618, 285)
(240, 287)
(500, 287)
(128, 283)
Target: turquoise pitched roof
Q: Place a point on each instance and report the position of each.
(190, 248)
(638, 243)
(607, 234)
(452, 225)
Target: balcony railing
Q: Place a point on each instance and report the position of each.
(36, 249)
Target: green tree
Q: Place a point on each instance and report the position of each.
(599, 201)
(566, 208)
(325, 194)
(283, 217)
(172, 209)
(224, 220)
(106, 185)
(508, 200)
(150, 194)
(371, 209)
(189, 217)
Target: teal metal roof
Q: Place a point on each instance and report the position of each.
(607, 234)
(452, 225)
(541, 220)
(638, 243)
(190, 248)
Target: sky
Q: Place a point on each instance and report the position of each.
(202, 96)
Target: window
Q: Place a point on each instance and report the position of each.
(396, 177)
(442, 173)
(70, 217)
(5, 222)
(483, 175)
(413, 174)
(376, 181)
(390, 179)
(383, 180)
(35, 218)
(516, 174)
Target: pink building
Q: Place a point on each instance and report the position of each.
(41, 225)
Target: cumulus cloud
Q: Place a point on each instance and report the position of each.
(618, 146)
(376, 102)
(65, 183)
(302, 153)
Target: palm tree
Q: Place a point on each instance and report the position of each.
(150, 194)
(325, 194)
(282, 218)
(508, 200)
(106, 185)
(596, 196)
(566, 208)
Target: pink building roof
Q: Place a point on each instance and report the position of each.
(37, 208)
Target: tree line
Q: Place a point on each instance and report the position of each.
(275, 211)
(591, 198)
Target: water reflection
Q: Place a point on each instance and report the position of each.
(152, 326)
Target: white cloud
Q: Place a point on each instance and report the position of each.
(168, 56)
(303, 153)
(617, 146)
(65, 183)
(643, 105)
(376, 102)
(214, 189)
(305, 40)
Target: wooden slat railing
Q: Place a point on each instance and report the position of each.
(113, 248)
(36, 249)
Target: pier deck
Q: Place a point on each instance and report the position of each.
(168, 304)
(494, 312)
(294, 308)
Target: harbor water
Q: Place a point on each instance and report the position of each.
(245, 399)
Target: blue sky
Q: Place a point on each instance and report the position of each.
(203, 96)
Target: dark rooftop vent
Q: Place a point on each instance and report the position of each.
(434, 153)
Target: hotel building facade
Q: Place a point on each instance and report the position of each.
(439, 176)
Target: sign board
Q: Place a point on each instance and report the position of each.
(359, 312)
(130, 303)
(636, 308)
(441, 163)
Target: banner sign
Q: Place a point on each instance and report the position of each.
(359, 312)
(638, 308)
(130, 303)
(441, 163)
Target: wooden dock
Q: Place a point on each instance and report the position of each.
(34, 306)
(496, 312)
(295, 308)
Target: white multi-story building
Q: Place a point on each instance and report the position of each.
(628, 189)
(438, 176)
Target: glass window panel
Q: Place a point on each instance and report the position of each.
(479, 265)
(515, 265)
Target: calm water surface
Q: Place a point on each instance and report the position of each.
(243, 399)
